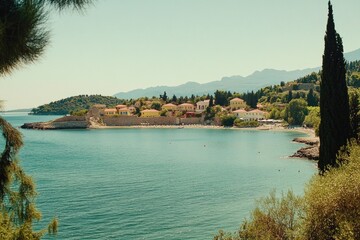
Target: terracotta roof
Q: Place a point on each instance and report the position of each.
(150, 110)
(186, 104)
(240, 111)
(205, 101)
(237, 100)
(257, 111)
(121, 106)
(169, 105)
(110, 110)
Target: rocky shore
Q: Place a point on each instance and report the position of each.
(67, 122)
(311, 152)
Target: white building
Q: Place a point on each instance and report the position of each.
(202, 105)
(255, 115)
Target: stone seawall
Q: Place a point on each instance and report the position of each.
(67, 122)
(133, 121)
(190, 121)
(77, 122)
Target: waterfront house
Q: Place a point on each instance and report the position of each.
(237, 103)
(150, 113)
(254, 115)
(186, 107)
(110, 111)
(240, 113)
(124, 112)
(202, 105)
(169, 107)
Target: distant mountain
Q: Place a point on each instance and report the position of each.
(239, 84)
(353, 56)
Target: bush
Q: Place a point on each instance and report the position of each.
(227, 120)
(242, 124)
(82, 112)
(296, 111)
(313, 119)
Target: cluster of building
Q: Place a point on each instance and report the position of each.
(237, 107)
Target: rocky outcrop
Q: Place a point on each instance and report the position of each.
(307, 140)
(311, 152)
(67, 122)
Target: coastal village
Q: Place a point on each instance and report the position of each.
(171, 114)
(237, 107)
(152, 113)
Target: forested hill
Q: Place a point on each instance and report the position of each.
(76, 103)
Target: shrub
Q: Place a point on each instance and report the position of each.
(313, 119)
(242, 124)
(82, 112)
(227, 120)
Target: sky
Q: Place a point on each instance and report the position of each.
(121, 45)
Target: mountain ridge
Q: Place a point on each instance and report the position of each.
(237, 83)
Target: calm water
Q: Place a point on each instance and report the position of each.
(156, 183)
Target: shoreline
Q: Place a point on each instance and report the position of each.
(276, 128)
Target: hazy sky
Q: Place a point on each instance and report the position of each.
(120, 45)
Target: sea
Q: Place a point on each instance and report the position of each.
(172, 184)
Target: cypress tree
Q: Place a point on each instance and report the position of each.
(334, 101)
(211, 102)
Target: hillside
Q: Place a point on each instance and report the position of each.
(76, 103)
(253, 82)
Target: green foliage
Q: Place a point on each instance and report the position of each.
(209, 113)
(222, 98)
(227, 120)
(245, 124)
(163, 112)
(275, 113)
(311, 78)
(74, 104)
(313, 119)
(82, 112)
(296, 111)
(23, 32)
(156, 105)
(312, 99)
(164, 97)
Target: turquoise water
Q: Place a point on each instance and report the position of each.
(156, 183)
